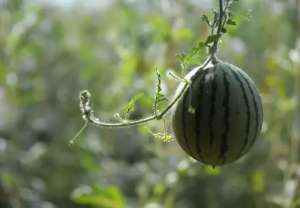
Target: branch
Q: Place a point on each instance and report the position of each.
(220, 26)
(221, 18)
(88, 113)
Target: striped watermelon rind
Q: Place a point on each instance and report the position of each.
(227, 116)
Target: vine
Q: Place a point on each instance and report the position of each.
(217, 27)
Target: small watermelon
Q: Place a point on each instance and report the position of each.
(219, 117)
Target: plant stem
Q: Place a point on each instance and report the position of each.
(88, 113)
(214, 47)
(85, 101)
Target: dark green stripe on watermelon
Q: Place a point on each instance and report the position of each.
(183, 116)
(239, 80)
(224, 144)
(198, 116)
(255, 102)
(212, 106)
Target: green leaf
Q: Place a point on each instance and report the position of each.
(160, 99)
(100, 197)
(198, 50)
(205, 19)
(181, 57)
(231, 22)
(212, 38)
(131, 104)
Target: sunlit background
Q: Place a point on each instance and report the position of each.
(52, 49)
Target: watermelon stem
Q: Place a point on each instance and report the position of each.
(88, 115)
(214, 47)
(221, 18)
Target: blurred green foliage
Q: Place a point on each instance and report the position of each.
(50, 50)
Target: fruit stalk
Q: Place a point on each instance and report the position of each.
(214, 47)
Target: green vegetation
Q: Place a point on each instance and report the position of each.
(50, 51)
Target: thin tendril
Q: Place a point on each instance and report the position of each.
(72, 141)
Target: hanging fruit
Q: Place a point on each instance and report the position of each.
(219, 117)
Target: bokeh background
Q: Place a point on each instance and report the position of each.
(50, 50)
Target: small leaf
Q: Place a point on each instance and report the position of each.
(201, 45)
(205, 19)
(193, 56)
(212, 38)
(231, 22)
(160, 98)
(181, 57)
(131, 104)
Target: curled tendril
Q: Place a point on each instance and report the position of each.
(85, 104)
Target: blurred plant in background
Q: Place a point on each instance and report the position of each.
(50, 50)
